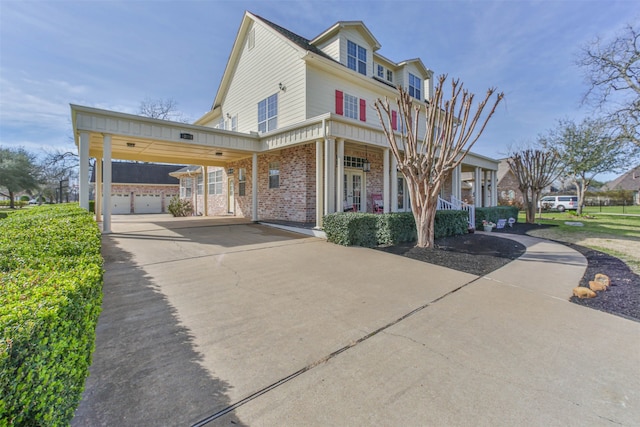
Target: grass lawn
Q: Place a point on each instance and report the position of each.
(609, 232)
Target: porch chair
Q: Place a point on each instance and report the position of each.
(377, 203)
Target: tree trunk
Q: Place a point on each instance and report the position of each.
(425, 224)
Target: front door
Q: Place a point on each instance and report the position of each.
(354, 191)
(232, 201)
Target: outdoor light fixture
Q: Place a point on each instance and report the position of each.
(366, 164)
(228, 116)
(282, 87)
(218, 153)
(131, 144)
(185, 135)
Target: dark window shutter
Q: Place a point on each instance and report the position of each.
(339, 103)
(394, 120)
(363, 110)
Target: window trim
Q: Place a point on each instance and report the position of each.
(415, 91)
(268, 120)
(274, 174)
(216, 179)
(358, 60)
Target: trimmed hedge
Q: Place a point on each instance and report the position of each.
(50, 298)
(369, 230)
(495, 213)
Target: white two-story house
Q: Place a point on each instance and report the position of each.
(292, 133)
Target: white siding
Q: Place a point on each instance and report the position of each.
(257, 75)
(331, 48)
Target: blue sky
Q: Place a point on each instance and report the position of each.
(113, 55)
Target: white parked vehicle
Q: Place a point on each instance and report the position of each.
(560, 203)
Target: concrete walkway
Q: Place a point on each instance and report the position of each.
(223, 322)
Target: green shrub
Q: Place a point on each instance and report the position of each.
(369, 230)
(92, 206)
(50, 298)
(179, 207)
(495, 213)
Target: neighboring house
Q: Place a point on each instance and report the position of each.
(141, 187)
(292, 133)
(508, 191)
(629, 181)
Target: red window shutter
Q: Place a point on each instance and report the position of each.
(339, 103)
(394, 120)
(363, 110)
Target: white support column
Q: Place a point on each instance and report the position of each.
(98, 193)
(477, 188)
(205, 190)
(254, 187)
(385, 181)
(83, 151)
(340, 175)
(486, 189)
(394, 184)
(329, 176)
(456, 179)
(319, 184)
(106, 152)
(494, 188)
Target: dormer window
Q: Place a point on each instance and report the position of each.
(390, 76)
(356, 57)
(380, 71)
(415, 87)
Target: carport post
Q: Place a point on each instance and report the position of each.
(83, 151)
(254, 187)
(106, 153)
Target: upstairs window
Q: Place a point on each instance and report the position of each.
(234, 123)
(415, 87)
(356, 57)
(350, 106)
(268, 113)
(390, 75)
(380, 71)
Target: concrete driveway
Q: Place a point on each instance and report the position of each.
(218, 321)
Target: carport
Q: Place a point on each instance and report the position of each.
(107, 135)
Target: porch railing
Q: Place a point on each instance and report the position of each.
(458, 205)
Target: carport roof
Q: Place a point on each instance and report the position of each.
(161, 141)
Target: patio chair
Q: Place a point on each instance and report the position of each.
(377, 203)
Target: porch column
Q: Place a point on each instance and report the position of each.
(106, 153)
(477, 188)
(98, 193)
(385, 180)
(494, 188)
(456, 181)
(329, 176)
(340, 175)
(205, 190)
(394, 184)
(319, 182)
(486, 189)
(83, 151)
(254, 187)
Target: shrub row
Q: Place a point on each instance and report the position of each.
(16, 203)
(369, 230)
(50, 297)
(495, 213)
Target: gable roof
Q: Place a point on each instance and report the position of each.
(627, 181)
(141, 173)
(359, 26)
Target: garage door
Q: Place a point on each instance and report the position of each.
(147, 203)
(120, 203)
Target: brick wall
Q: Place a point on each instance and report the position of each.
(508, 192)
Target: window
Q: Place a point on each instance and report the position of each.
(356, 57)
(350, 106)
(200, 184)
(268, 113)
(186, 185)
(221, 124)
(215, 182)
(234, 123)
(415, 87)
(380, 71)
(390, 75)
(242, 181)
(353, 162)
(274, 175)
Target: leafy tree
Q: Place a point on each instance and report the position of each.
(428, 162)
(586, 150)
(18, 172)
(534, 169)
(58, 167)
(612, 70)
(165, 109)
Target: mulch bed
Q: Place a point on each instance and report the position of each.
(480, 254)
